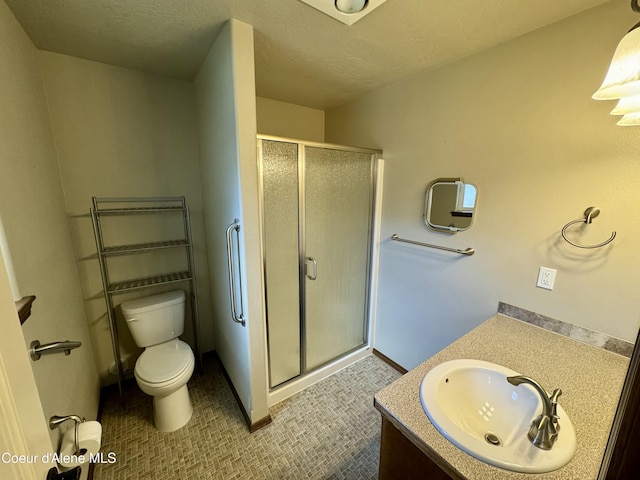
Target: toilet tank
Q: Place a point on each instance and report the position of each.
(155, 319)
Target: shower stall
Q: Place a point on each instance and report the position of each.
(317, 211)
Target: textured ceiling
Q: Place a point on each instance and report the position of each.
(302, 55)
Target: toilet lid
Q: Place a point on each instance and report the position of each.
(163, 362)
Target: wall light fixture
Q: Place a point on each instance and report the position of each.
(622, 81)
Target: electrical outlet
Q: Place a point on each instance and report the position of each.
(546, 278)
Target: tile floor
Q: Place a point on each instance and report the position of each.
(329, 431)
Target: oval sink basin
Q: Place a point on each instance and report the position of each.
(471, 403)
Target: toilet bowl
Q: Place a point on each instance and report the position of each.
(167, 363)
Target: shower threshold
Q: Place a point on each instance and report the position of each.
(285, 390)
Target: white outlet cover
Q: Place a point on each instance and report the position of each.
(546, 277)
(329, 7)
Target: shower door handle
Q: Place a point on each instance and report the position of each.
(233, 274)
(314, 275)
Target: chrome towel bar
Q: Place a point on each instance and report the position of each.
(36, 350)
(466, 251)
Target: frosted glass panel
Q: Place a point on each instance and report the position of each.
(338, 195)
(280, 229)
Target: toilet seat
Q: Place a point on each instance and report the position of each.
(160, 364)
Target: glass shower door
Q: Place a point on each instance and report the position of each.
(338, 196)
(282, 275)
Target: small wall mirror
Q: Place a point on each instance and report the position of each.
(450, 205)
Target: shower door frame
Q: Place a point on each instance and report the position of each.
(301, 146)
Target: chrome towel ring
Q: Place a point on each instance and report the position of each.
(589, 214)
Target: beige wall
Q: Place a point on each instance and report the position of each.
(283, 119)
(518, 121)
(124, 133)
(33, 212)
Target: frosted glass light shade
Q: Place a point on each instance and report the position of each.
(623, 77)
(629, 120)
(627, 105)
(350, 6)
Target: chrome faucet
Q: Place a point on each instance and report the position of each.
(544, 429)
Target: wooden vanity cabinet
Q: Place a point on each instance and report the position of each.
(400, 459)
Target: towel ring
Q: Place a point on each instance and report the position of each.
(589, 214)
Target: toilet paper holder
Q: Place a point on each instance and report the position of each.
(57, 420)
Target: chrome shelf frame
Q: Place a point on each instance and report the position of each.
(140, 247)
(132, 206)
(138, 210)
(138, 283)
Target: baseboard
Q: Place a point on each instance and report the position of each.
(252, 426)
(390, 362)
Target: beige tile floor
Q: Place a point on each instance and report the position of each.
(329, 431)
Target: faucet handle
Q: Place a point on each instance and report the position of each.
(543, 433)
(553, 399)
(554, 396)
(554, 408)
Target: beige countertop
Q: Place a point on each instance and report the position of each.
(590, 378)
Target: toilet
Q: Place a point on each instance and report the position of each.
(167, 363)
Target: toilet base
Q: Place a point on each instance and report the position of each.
(173, 411)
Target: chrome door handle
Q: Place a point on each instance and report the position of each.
(238, 318)
(314, 275)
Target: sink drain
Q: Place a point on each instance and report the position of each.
(492, 439)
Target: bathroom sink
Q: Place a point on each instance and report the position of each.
(471, 403)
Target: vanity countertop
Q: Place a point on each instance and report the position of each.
(591, 379)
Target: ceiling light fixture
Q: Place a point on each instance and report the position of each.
(350, 6)
(622, 81)
(345, 11)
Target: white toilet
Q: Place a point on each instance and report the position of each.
(166, 365)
